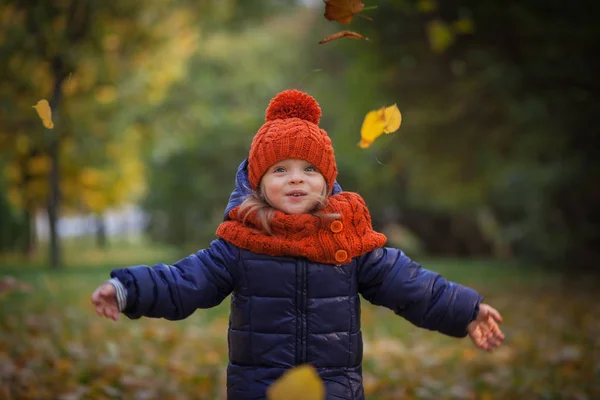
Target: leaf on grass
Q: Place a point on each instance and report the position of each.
(385, 120)
(347, 34)
(10, 284)
(299, 383)
(45, 113)
(343, 11)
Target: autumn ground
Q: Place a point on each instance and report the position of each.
(53, 346)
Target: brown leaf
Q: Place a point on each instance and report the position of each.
(348, 34)
(343, 11)
(10, 284)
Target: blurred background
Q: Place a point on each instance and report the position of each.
(492, 179)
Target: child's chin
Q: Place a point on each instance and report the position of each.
(297, 210)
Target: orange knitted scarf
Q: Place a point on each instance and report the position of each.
(316, 238)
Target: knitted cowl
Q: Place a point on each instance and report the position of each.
(315, 237)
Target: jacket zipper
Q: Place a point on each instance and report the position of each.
(304, 310)
(301, 304)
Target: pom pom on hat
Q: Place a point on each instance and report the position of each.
(291, 130)
(293, 104)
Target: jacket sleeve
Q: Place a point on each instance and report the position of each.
(174, 292)
(387, 277)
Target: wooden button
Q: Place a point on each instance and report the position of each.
(336, 226)
(341, 256)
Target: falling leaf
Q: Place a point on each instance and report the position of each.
(348, 34)
(43, 109)
(372, 127)
(299, 383)
(385, 120)
(343, 11)
(393, 119)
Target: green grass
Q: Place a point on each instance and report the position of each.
(52, 345)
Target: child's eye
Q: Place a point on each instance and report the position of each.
(279, 169)
(310, 168)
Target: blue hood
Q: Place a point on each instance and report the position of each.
(242, 188)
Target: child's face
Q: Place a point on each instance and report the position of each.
(293, 186)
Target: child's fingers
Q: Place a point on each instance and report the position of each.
(495, 342)
(108, 290)
(107, 311)
(494, 314)
(96, 299)
(111, 312)
(499, 334)
(495, 330)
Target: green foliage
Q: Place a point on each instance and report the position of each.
(494, 156)
(12, 227)
(204, 128)
(497, 124)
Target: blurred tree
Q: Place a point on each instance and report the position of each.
(211, 118)
(101, 58)
(497, 139)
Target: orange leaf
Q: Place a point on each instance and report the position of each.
(348, 34)
(343, 11)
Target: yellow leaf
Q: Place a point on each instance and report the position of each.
(384, 120)
(45, 113)
(393, 119)
(372, 127)
(299, 383)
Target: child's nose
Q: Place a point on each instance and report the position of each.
(296, 177)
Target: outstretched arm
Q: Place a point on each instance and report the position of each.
(389, 278)
(201, 280)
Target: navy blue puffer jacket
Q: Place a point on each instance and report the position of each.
(287, 311)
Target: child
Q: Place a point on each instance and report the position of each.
(295, 252)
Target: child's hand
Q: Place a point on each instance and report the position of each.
(105, 300)
(484, 331)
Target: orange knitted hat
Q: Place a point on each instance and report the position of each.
(291, 130)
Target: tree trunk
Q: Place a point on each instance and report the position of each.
(30, 235)
(101, 239)
(53, 206)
